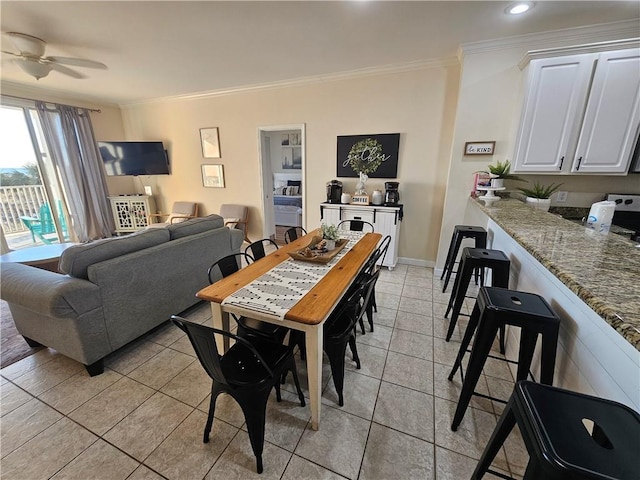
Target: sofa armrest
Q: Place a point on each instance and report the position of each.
(47, 293)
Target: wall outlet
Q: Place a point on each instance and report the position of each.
(561, 197)
(147, 190)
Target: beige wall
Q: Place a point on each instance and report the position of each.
(417, 104)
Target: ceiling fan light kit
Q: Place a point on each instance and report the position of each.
(30, 58)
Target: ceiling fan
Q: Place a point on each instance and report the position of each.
(31, 59)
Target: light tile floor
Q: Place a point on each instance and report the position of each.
(144, 417)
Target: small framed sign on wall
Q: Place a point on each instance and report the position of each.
(479, 148)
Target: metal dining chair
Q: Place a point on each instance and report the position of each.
(356, 226)
(293, 234)
(247, 371)
(258, 250)
(246, 326)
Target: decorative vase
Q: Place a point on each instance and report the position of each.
(377, 197)
(539, 203)
(361, 185)
(497, 182)
(331, 244)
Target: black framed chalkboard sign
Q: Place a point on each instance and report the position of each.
(368, 151)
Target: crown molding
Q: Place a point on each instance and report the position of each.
(579, 49)
(556, 38)
(43, 94)
(297, 82)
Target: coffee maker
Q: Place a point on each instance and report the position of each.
(334, 191)
(391, 195)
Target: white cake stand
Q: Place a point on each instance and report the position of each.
(490, 197)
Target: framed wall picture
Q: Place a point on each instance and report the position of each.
(213, 176)
(210, 142)
(382, 148)
(480, 148)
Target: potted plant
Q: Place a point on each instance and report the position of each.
(501, 172)
(331, 234)
(539, 196)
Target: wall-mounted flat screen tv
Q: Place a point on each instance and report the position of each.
(134, 158)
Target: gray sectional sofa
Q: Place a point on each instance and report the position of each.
(114, 290)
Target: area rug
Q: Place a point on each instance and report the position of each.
(12, 345)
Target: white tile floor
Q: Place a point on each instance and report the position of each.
(144, 417)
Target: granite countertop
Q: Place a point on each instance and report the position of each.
(602, 269)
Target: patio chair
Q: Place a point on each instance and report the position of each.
(43, 226)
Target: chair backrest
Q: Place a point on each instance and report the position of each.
(203, 340)
(356, 226)
(350, 310)
(378, 254)
(257, 248)
(235, 216)
(46, 220)
(293, 233)
(182, 211)
(227, 265)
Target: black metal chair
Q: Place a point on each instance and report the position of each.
(246, 326)
(369, 269)
(257, 248)
(339, 332)
(247, 371)
(356, 226)
(293, 234)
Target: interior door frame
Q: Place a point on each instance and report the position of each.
(262, 159)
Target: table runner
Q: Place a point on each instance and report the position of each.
(278, 290)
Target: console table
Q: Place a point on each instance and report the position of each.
(385, 220)
(131, 212)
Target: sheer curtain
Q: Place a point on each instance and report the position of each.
(75, 155)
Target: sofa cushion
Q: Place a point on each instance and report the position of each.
(75, 260)
(195, 225)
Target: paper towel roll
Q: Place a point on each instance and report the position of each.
(600, 216)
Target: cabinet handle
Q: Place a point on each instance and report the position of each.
(561, 162)
(579, 162)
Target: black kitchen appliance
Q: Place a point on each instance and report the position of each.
(627, 214)
(334, 191)
(391, 195)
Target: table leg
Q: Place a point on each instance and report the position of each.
(221, 322)
(314, 371)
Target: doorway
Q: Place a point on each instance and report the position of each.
(282, 167)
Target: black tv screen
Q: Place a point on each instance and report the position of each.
(134, 158)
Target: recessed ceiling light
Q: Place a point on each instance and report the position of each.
(518, 8)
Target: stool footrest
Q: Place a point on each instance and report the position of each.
(489, 397)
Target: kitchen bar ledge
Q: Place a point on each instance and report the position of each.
(603, 270)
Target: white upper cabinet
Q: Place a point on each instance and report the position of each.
(610, 126)
(580, 114)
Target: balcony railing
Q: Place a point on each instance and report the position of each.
(18, 201)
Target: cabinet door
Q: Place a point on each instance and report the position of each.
(139, 211)
(555, 99)
(610, 127)
(330, 215)
(388, 223)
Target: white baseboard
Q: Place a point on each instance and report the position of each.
(415, 262)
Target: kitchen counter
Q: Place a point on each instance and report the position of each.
(603, 270)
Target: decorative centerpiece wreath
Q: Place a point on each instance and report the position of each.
(365, 157)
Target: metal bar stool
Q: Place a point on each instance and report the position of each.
(569, 435)
(470, 260)
(494, 308)
(461, 232)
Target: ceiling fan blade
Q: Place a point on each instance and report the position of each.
(64, 70)
(27, 44)
(76, 62)
(11, 53)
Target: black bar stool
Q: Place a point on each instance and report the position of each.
(470, 260)
(494, 308)
(568, 435)
(460, 232)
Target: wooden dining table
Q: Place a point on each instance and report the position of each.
(308, 314)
